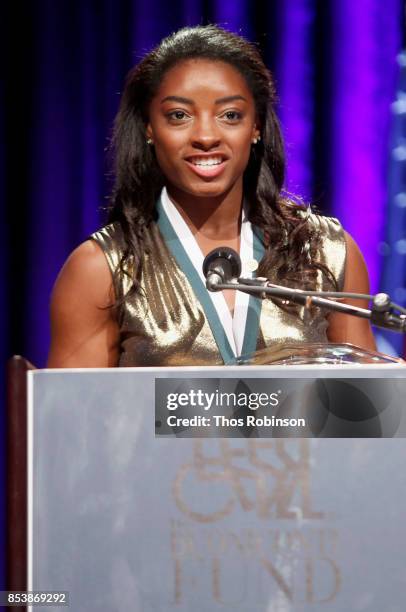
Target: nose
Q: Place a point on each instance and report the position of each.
(206, 134)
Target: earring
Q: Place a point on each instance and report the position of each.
(149, 141)
(255, 140)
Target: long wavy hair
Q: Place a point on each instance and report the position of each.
(292, 244)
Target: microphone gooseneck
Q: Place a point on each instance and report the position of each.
(222, 269)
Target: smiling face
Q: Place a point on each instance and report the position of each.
(202, 124)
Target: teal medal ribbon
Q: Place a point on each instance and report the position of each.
(255, 304)
(184, 263)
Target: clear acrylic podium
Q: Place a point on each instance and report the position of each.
(123, 519)
(316, 354)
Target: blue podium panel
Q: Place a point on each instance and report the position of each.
(123, 519)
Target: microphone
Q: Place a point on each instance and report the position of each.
(222, 269)
(221, 265)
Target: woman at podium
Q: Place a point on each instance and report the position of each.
(199, 163)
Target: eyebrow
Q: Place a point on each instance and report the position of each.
(182, 100)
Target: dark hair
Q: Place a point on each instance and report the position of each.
(292, 243)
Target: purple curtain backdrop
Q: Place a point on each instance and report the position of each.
(368, 41)
(295, 76)
(336, 71)
(393, 249)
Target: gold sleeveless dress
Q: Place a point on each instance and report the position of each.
(165, 324)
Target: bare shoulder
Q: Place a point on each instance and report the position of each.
(345, 327)
(352, 247)
(86, 272)
(356, 272)
(83, 325)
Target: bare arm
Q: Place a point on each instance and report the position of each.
(84, 333)
(343, 327)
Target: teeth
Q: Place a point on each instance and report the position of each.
(207, 161)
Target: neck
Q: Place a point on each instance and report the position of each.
(214, 217)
